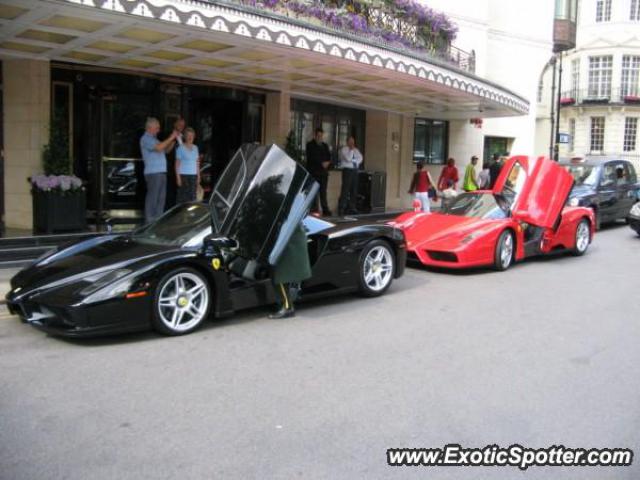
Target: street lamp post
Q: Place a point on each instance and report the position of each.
(564, 38)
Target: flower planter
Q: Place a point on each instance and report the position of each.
(567, 101)
(596, 100)
(631, 99)
(55, 211)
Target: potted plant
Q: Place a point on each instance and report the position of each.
(291, 148)
(59, 201)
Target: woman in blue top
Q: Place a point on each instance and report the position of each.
(187, 171)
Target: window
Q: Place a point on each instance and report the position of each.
(540, 90)
(572, 134)
(630, 74)
(634, 13)
(603, 10)
(597, 134)
(630, 134)
(600, 69)
(575, 77)
(430, 140)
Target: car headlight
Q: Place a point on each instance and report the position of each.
(471, 236)
(635, 210)
(107, 285)
(574, 202)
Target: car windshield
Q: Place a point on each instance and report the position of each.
(584, 174)
(177, 227)
(479, 205)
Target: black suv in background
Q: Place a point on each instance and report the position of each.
(608, 185)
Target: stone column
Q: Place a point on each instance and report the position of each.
(27, 107)
(277, 118)
(389, 148)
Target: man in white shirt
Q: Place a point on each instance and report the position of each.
(350, 160)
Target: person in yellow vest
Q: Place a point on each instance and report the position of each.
(470, 183)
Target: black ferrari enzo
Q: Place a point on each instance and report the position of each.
(199, 261)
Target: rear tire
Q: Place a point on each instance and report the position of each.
(376, 268)
(582, 237)
(181, 302)
(505, 251)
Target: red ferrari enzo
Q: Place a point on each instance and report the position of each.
(524, 215)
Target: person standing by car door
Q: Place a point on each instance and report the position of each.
(155, 167)
(350, 160)
(293, 267)
(187, 168)
(318, 163)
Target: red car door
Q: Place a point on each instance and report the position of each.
(537, 189)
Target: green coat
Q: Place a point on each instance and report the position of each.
(293, 266)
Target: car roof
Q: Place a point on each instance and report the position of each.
(591, 161)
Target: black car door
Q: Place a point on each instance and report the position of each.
(608, 193)
(624, 191)
(259, 200)
(631, 188)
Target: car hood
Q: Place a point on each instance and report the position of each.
(424, 228)
(259, 200)
(86, 258)
(581, 191)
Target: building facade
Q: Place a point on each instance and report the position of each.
(600, 87)
(241, 71)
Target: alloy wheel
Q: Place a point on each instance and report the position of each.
(378, 268)
(583, 237)
(183, 302)
(506, 253)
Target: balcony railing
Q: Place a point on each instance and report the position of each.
(404, 26)
(586, 97)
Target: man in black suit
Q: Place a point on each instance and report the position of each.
(318, 163)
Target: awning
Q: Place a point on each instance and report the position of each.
(234, 45)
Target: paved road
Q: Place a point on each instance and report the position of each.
(546, 353)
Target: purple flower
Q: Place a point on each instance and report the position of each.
(63, 183)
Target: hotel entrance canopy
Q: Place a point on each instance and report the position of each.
(230, 43)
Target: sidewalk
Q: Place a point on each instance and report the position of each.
(5, 277)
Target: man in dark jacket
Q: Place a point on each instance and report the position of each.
(318, 163)
(494, 170)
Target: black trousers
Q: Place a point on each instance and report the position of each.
(348, 191)
(323, 180)
(187, 192)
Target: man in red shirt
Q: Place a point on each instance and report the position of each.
(420, 185)
(448, 176)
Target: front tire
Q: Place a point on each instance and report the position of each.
(376, 268)
(504, 252)
(181, 302)
(582, 237)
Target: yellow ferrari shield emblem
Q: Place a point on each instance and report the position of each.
(215, 263)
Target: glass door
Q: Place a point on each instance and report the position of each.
(122, 171)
